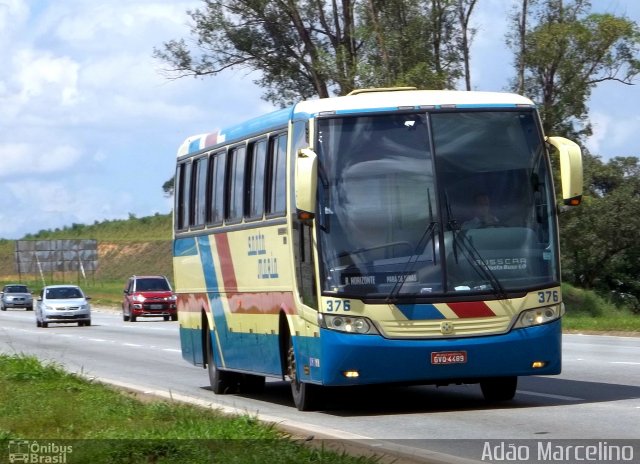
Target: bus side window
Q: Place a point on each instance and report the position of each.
(215, 213)
(235, 184)
(276, 189)
(256, 184)
(183, 177)
(198, 192)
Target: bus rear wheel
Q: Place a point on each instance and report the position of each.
(221, 381)
(499, 388)
(306, 396)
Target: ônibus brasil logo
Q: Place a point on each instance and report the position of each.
(32, 452)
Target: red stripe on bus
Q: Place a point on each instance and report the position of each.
(261, 303)
(192, 302)
(241, 303)
(226, 263)
(471, 309)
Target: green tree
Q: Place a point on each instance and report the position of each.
(464, 10)
(562, 52)
(600, 238)
(301, 48)
(410, 43)
(168, 187)
(316, 48)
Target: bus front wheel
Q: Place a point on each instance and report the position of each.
(499, 388)
(306, 396)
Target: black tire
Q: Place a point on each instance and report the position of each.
(29, 308)
(499, 388)
(222, 382)
(125, 317)
(44, 325)
(132, 318)
(166, 318)
(306, 396)
(38, 323)
(174, 317)
(2, 308)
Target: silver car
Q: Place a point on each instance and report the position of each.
(62, 304)
(16, 296)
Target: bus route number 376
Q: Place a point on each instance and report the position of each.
(337, 305)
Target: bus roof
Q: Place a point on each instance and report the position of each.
(369, 101)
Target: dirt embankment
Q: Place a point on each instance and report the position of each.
(116, 260)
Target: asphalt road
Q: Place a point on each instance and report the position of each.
(596, 398)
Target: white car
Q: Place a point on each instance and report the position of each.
(62, 304)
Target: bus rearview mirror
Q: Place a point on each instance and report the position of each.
(306, 182)
(570, 169)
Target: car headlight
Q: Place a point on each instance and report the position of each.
(348, 324)
(171, 298)
(139, 298)
(539, 316)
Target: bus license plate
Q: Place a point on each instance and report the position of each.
(449, 357)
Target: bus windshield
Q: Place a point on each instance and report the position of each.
(445, 202)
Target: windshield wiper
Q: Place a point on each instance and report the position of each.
(472, 254)
(413, 259)
(479, 264)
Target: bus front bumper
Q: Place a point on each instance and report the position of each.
(336, 358)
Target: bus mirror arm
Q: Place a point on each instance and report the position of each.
(570, 169)
(306, 183)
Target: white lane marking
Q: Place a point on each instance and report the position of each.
(95, 339)
(549, 395)
(172, 350)
(133, 344)
(626, 362)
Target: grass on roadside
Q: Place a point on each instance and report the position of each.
(43, 402)
(586, 310)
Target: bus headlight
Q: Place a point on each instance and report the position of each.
(539, 316)
(348, 324)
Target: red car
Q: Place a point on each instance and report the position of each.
(148, 296)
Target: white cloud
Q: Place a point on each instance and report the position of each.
(26, 159)
(613, 135)
(34, 205)
(108, 25)
(42, 75)
(13, 13)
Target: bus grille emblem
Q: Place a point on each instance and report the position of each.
(446, 327)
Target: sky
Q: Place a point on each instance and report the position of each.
(90, 125)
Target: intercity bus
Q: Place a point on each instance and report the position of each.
(391, 236)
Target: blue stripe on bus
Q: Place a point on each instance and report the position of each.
(242, 351)
(489, 105)
(420, 312)
(185, 247)
(367, 110)
(215, 303)
(211, 282)
(194, 146)
(258, 125)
